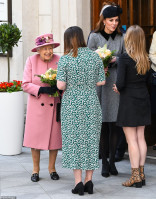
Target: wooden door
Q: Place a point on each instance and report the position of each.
(139, 12)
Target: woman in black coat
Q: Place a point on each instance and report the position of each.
(134, 106)
(152, 56)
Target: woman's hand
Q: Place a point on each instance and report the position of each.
(101, 83)
(115, 89)
(113, 59)
(61, 85)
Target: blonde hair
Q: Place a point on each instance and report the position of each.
(135, 45)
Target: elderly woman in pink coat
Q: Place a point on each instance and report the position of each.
(42, 129)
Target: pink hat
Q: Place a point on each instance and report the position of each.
(44, 40)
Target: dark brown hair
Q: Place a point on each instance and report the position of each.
(100, 26)
(73, 39)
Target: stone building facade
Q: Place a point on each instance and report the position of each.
(36, 17)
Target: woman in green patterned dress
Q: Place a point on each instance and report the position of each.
(80, 70)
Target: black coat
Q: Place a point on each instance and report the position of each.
(134, 106)
(153, 96)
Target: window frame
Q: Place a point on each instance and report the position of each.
(9, 21)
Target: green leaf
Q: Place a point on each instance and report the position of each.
(105, 47)
(9, 37)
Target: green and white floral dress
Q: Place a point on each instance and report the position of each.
(81, 115)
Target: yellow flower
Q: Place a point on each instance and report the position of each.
(53, 76)
(100, 54)
(50, 77)
(107, 52)
(47, 75)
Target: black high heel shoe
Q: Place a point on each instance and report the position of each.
(105, 170)
(79, 188)
(54, 176)
(88, 187)
(113, 170)
(35, 177)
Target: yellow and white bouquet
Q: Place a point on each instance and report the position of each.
(106, 55)
(49, 78)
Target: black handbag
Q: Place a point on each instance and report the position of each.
(154, 78)
(58, 112)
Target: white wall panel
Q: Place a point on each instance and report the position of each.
(72, 14)
(64, 19)
(45, 7)
(56, 23)
(86, 19)
(45, 24)
(30, 27)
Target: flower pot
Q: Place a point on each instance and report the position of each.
(11, 122)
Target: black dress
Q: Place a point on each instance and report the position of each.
(134, 106)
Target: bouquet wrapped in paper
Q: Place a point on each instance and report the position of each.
(106, 55)
(49, 78)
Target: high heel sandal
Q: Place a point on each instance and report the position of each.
(88, 187)
(135, 179)
(79, 189)
(142, 175)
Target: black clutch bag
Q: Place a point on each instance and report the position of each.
(111, 65)
(58, 112)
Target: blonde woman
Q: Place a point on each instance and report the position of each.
(134, 106)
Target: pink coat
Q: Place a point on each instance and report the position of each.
(42, 131)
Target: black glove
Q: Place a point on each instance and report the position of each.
(47, 90)
(60, 91)
(111, 65)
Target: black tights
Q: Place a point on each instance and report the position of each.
(108, 141)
